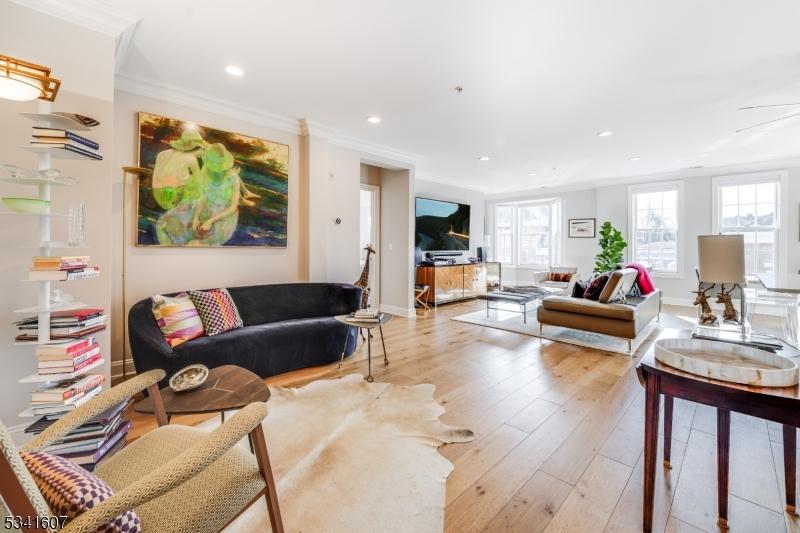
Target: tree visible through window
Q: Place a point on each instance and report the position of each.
(751, 209)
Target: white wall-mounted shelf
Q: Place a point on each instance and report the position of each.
(56, 121)
(36, 181)
(58, 153)
(45, 378)
(72, 306)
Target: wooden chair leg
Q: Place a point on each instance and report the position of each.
(265, 468)
(158, 405)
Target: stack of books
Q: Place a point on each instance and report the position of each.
(62, 268)
(86, 445)
(68, 357)
(365, 315)
(74, 324)
(65, 140)
(61, 397)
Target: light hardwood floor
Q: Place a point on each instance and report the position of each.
(559, 434)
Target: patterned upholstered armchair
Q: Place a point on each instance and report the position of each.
(176, 478)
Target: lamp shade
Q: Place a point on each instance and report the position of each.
(721, 258)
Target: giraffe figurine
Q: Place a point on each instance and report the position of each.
(363, 280)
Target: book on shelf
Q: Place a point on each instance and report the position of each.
(69, 356)
(65, 347)
(100, 421)
(64, 275)
(43, 133)
(67, 368)
(83, 445)
(63, 327)
(28, 337)
(73, 363)
(66, 406)
(64, 143)
(64, 262)
(86, 152)
(72, 317)
(111, 445)
(64, 390)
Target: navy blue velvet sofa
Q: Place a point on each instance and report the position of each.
(286, 326)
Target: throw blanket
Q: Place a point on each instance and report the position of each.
(643, 278)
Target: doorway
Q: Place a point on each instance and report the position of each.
(369, 233)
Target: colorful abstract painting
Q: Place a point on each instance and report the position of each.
(209, 187)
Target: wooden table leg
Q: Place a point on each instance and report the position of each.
(158, 405)
(723, 448)
(651, 412)
(668, 401)
(790, 466)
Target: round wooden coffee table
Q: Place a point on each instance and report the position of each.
(227, 388)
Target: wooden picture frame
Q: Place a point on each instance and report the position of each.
(582, 228)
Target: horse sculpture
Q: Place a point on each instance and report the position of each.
(707, 318)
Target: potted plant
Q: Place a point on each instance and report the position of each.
(611, 247)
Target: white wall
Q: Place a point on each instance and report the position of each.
(610, 202)
(475, 199)
(84, 62)
(397, 242)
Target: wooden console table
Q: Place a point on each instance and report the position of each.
(451, 283)
(778, 404)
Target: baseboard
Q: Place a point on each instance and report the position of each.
(116, 370)
(681, 302)
(398, 311)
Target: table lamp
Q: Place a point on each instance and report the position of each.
(721, 261)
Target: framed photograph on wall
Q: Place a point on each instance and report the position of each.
(582, 228)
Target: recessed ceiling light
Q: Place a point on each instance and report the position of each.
(233, 70)
(483, 158)
(531, 174)
(372, 119)
(604, 134)
(635, 158)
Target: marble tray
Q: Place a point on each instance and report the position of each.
(727, 362)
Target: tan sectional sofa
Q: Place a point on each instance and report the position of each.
(624, 319)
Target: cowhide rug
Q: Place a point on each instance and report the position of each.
(351, 456)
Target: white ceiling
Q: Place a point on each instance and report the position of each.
(540, 78)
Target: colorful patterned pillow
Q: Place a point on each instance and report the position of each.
(177, 317)
(596, 287)
(217, 310)
(69, 490)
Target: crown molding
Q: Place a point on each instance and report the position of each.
(93, 15)
(441, 180)
(376, 152)
(184, 97)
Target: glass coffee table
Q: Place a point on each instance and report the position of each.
(369, 326)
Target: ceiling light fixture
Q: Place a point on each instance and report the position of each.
(233, 70)
(23, 81)
(635, 158)
(483, 158)
(604, 134)
(531, 174)
(372, 119)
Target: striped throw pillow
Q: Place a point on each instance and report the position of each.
(217, 310)
(177, 317)
(69, 490)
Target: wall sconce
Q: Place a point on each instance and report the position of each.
(23, 81)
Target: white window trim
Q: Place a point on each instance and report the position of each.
(680, 244)
(782, 177)
(560, 234)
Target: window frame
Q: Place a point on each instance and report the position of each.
(781, 177)
(680, 254)
(556, 232)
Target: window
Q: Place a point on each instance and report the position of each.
(504, 233)
(750, 205)
(528, 233)
(655, 227)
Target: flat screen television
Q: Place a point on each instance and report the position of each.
(441, 226)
